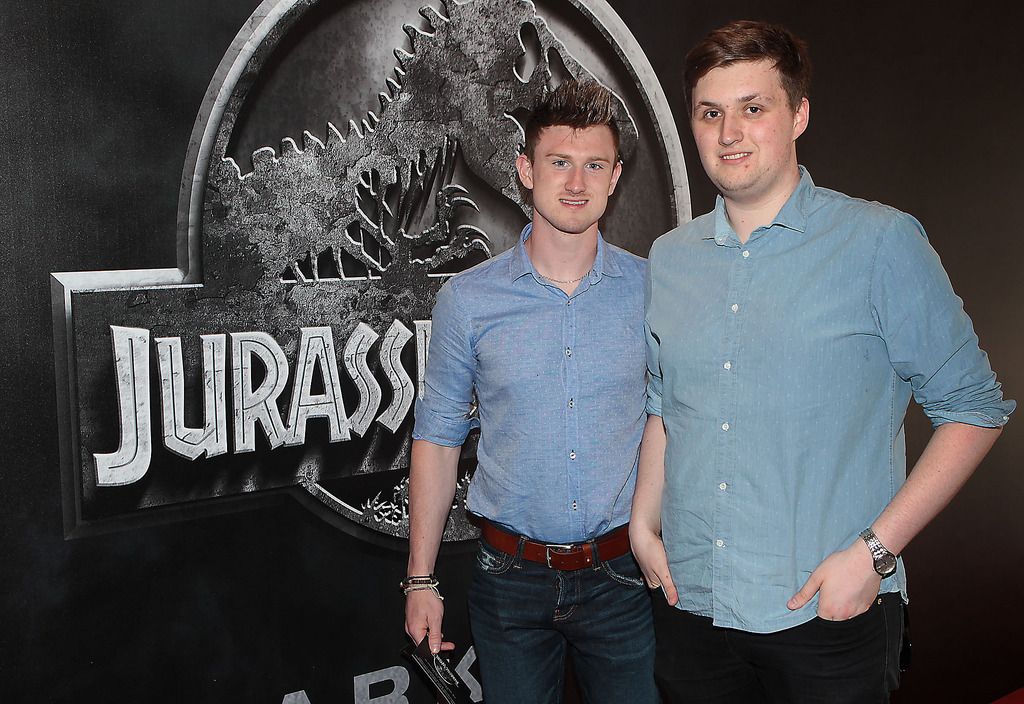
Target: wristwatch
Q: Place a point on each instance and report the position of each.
(885, 561)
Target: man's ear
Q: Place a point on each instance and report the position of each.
(801, 117)
(616, 172)
(525, 169)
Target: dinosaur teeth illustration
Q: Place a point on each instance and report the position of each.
(310, 141)
(334, 137)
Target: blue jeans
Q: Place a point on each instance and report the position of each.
(525, 618)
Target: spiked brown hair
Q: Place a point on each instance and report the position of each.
(575, 104)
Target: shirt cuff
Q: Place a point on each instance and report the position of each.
(992, 417)
(437, 429)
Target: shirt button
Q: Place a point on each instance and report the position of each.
(725, 426)
(573, 505)
(569, 302)
(734, 307)
(723, 486)
(727, 366)
(568, 351)
(572, 455)
(719, 543)
(746, 253)
(572, 404)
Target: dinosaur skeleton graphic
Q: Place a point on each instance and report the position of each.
(366, 198)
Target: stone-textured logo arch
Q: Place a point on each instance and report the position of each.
(283, 354)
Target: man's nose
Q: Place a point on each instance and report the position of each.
(576, 182)
(731, 131)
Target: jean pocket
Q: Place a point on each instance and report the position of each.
(861, 619)
(491, 561)
(624, 570)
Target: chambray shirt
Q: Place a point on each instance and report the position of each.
(561, 386)
(782, 369)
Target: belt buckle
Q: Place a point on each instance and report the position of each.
(566, 547)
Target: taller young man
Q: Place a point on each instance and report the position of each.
(550, 337)
(788, 330)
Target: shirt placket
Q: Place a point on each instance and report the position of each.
(729, 365)
(570, 406)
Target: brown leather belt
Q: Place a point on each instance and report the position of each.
(571, 556)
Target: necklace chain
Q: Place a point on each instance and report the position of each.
(560, 281)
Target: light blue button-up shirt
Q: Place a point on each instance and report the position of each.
(560, 382)
(782, 369)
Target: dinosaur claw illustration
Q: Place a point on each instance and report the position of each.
(459, 200)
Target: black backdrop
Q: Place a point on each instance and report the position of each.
(911, 106)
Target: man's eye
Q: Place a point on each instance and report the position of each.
(711, 114)
(560, 162)
(594, 166)
(753, 109)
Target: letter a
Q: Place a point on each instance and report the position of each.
(316, 346)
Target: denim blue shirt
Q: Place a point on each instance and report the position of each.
(782, 369)
(560, 382)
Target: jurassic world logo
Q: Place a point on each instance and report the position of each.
(285, 351)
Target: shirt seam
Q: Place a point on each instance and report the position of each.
(871, 285)
(465, 321)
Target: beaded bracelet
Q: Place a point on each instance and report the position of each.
(419, 583)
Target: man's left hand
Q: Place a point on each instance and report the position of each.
(846, 584)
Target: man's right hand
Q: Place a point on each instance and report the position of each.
(650, 555)
(423, 615)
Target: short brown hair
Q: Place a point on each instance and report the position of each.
(575, 104)
(746, 40)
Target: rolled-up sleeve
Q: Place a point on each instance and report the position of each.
(443, 413)
(654, 380)
(930, 339)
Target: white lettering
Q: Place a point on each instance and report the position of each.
(402, 388)
(422, 345)
(251, 352)
(212, 438)
(356, 349)
(258, 404)
(316, 346)
(131, 367)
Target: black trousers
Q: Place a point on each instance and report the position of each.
(827, 662)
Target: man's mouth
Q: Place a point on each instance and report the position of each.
(574, 203)
(733, 157)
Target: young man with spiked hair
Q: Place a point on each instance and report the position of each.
(549, 336)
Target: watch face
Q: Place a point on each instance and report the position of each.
(886, 564)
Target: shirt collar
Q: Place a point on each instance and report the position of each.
(792, 215)
(605, 263)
